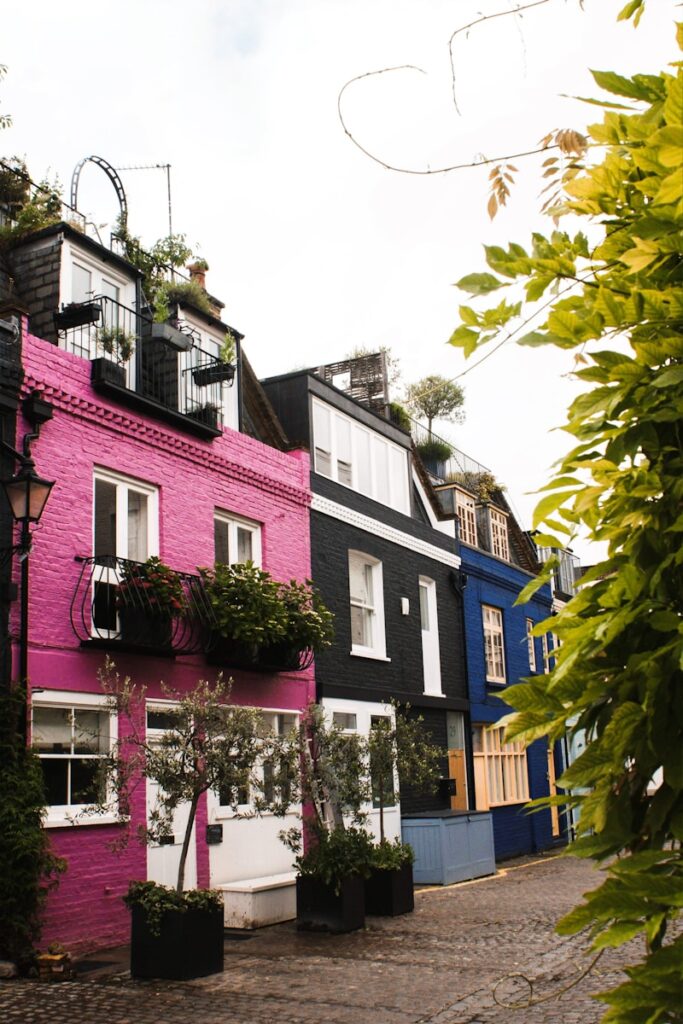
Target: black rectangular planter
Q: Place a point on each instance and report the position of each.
(213, 374)
(319, 908)
(106, 371)
(250, 658)
(389, 891)
(189, 944)
(77, 314)
(140, 626)
(206, 414)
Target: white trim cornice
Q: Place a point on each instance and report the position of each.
(383, 530)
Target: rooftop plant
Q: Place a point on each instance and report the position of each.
(117, 342)
(153, 585)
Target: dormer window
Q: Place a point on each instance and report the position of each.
(358, 457)
(499, 534)
(465, 508)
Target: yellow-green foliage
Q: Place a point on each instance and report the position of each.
(618, 676)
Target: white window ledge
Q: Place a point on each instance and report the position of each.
(426, 693)
(79, 822)
(358, 652)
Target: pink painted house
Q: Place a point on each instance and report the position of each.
(150, 456)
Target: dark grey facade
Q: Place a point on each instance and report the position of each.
(408, 546)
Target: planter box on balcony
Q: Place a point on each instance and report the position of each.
(214, 374)
(77, 314)
(208, 415)
(172, 336)
(389, 891)
(320, 908)
(143, 627)
(106, 371)
(189, 945)
(276, 658)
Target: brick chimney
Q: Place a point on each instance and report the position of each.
(198, 271)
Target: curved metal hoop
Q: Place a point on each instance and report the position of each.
(111, 174)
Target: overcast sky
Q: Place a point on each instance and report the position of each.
(314, 248)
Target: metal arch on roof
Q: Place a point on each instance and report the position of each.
(111, 174)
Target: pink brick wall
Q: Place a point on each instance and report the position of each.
(234, 473)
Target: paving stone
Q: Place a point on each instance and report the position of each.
(444, 964)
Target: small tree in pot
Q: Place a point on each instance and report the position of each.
(208, 744)
(334, 786)
(396, 744)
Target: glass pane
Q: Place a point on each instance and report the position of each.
(344, 720)
(361, 627)
(360, 581)
(343, 428)
(381, 465)
(55, 776)
(86, 786)
(398, 465)
(105, 518)
(424, 606)
(323, 462)
(137, 526)
(91, 732)
(363, 464)
(268, 785)
(455, 728)
(322, 429)
(161, 720)
(52, 730)
(81, 284)
(282, 724)
(221, 537)
(244, 546)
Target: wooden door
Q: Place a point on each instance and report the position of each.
(457, 771)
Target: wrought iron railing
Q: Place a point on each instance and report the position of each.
(17, 190)
(161, 362)
(112, 605)
(446, 462)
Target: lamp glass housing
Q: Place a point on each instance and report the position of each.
(27, 495)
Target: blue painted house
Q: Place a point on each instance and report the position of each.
(498, 559)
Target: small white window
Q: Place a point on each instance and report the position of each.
(465, 507)
(322, 437)
(72, 734)
(125, 518)
(345, 720)
(367, 606)
(344, 456)
(431, 659)
(499, 534)
(530, 644)
(236, 540)
(493, 644)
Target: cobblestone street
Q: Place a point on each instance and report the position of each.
(439, 965)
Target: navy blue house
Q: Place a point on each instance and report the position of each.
(498, 560)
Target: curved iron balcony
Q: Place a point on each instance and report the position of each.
(114, 607)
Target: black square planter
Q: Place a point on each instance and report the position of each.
(106, 371)
(389, 891)
(143, 627)
(320, 908)
(189, 944)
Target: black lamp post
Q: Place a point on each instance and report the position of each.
(27, 494)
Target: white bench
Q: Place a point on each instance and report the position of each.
(255, 902)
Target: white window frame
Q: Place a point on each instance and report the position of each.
(465, 506)
(225, 812)
(431, 654)
(500, 545)
(378, 648)
(494, 637)
(398, 495)
(234, 523)
(546, 653)
(531, 647)
(501, 772)
(59, 815)
(123, 484)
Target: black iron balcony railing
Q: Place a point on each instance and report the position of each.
(161, 363)
(114, 606)
(446, 462)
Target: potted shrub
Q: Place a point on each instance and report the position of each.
(434, 453)
(118, 345)
(397, 746)
(150, 595)
(260, 624)
(333, 789)
(209, 744)
(206, 414)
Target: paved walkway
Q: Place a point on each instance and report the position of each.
(439, 965)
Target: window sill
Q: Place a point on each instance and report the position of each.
(79, 822)
(359, 652)
(498, 684)
(428, 693)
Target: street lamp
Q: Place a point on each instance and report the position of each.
(27, 495)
